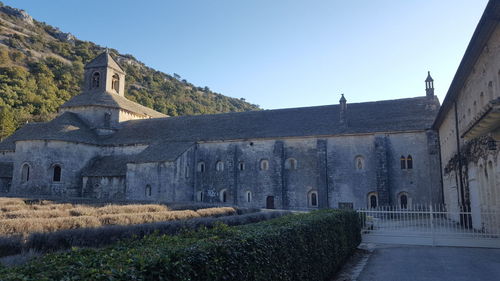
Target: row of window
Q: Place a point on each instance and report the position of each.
(56, 173)
(403, 200)
(290, 164)
(312, 198)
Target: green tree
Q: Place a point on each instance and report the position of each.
(7, 122)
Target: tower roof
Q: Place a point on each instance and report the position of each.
(429, 78)
(342, 99)
(104, 60)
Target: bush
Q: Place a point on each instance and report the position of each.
(296, 247)
(106, 235)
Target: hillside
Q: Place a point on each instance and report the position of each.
(41, 67)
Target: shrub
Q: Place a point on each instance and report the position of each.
(130, 209)
(102, 236)
(15, 226)
(296, 247)
(44, 214)
(10, 245)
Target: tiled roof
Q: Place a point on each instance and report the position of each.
(103, 166)
(104, 60)
(106, 99)
(66, 127)
(369, 117)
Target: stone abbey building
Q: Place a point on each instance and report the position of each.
(105, 146)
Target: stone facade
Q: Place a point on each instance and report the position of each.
(468, 125)
(338, 156)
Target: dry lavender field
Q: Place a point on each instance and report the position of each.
(18, 217)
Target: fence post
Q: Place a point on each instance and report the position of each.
(432, 226)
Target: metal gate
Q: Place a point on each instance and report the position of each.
(431, 225)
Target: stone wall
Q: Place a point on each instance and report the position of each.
(104, 187)
(327, 166)
(481, 86)
(41, 156)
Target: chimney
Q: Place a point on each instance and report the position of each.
(343, 110)
(429, 85)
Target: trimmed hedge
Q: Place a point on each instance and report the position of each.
(295, 247)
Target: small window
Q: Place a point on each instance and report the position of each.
(372, 200)
(241, 165)
(248, 196)
(409, 162)
(223, 195)
(264, 165)
(115, 83)
(107, 120)
(96, 80)
(359, 163)
(148, 191)
(201, 167)
(199, 196)
(56, 176)
(219, 166)
(403, 163)
(313, 199)
(186, 172)
(25, 173)
(403, 200)
(291, 164)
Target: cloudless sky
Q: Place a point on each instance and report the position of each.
(281, 53)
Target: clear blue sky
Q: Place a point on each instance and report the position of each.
(282, 53)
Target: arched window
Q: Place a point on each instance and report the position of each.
(147, 191)
(313, 198)
(107, 120)
(223, 195)
(25, 173)
(199, 196)
(403, 163)
(264, 165)
(219, 166)
(248, 196)
(201, 167)
(56, 176)
(96, 80)
(372, 200)
(115, 83)
(403, 200)
(490, 90)
(291, 164)
(241, 165)
(409, 162)
(359, 162)
(481, 99)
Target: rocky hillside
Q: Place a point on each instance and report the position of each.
(41, 67)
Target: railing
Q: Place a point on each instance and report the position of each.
(432, 222)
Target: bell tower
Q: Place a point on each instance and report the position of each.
(429, 85)
(104, 74)
(343, 110)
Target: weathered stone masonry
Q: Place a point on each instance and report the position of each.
(338, 156)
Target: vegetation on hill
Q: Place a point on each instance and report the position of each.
(42, 67)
